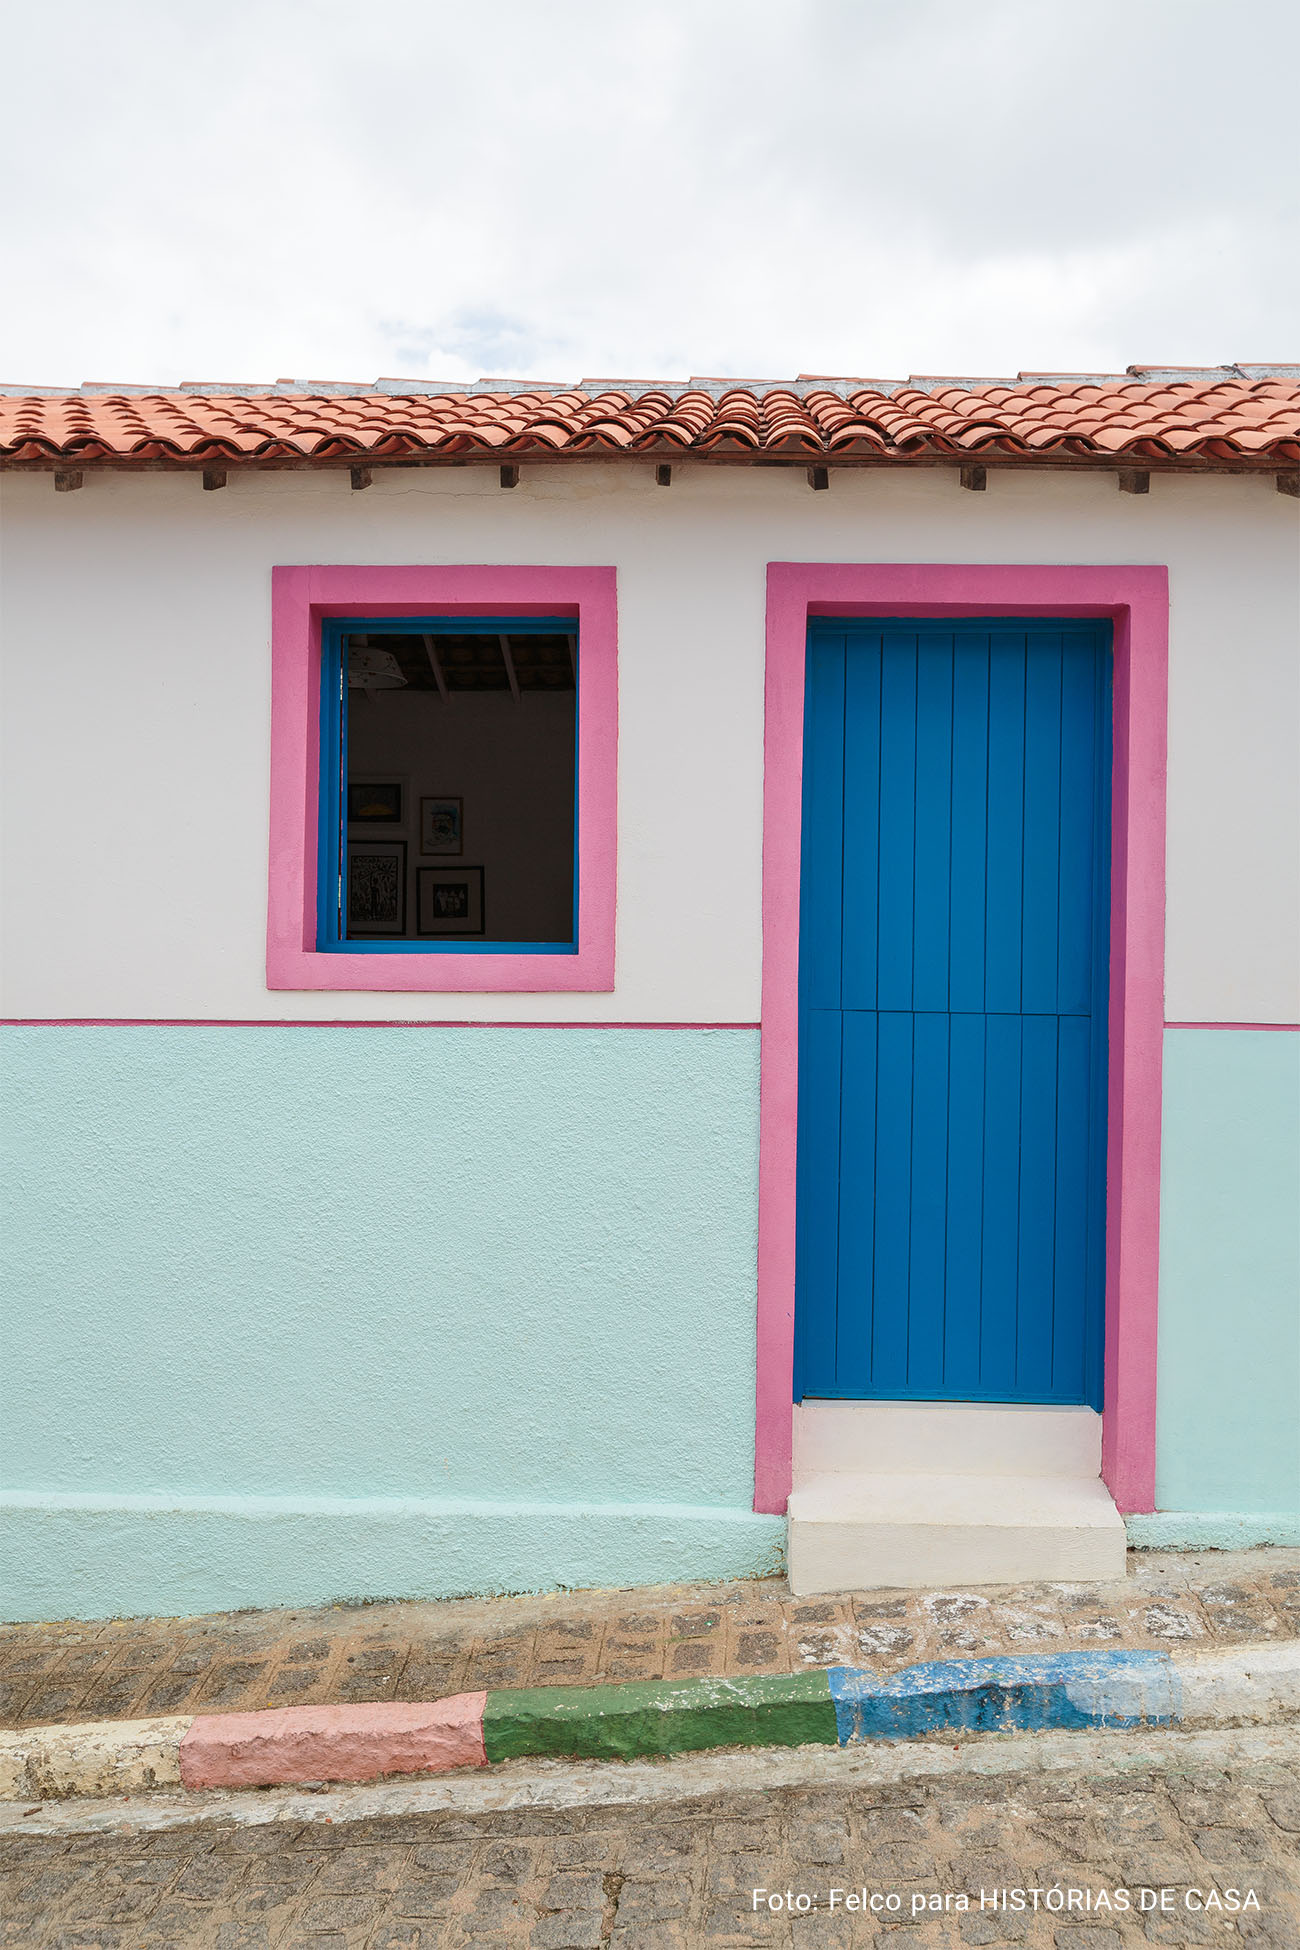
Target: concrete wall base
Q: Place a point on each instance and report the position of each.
(97, 1557)
(1212, 1530)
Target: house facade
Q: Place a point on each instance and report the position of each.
(633, 984)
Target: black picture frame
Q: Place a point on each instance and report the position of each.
(432, 926)
(381, 892)
(430, 805)
(376, 802)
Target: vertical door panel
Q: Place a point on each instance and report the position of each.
(1081, 735)
(964, 1268)
(1000, 1259)
(932, 859)
(856, 1272)
(861, 882)
(953, 995)
(970, 796)
(927, 1266)
(893, 1222)
(897, 819)
(1040, 907)
(1036, 1258)
(1073, 1141)
(818, 1202)
(821, 902)
(1005, 842)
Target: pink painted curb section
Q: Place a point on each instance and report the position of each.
(333, 1743)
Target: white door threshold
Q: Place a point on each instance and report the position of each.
(909, 1530)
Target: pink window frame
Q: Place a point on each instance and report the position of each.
(1137, 601)
(300, 598)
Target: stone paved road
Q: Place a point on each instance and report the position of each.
(236, 1662)
(673, 1875)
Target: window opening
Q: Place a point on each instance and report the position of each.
(448, 785)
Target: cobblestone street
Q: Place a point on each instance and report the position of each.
(675, 1874)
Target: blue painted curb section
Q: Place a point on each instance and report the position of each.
(1007, 1695)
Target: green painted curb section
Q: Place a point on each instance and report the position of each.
(660, 1716)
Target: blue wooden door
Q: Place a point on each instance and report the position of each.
(952, 1011)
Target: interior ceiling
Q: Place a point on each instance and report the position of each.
(478, 662)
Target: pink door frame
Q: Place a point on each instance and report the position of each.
(1137, 601)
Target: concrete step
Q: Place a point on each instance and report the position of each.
(944, 1438)
(854, 1532)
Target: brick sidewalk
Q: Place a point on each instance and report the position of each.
(239, 1661)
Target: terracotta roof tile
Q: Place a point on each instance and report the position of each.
(1187, 417)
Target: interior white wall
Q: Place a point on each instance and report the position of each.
(511, 765)
(135, 618)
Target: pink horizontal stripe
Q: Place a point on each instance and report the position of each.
(436, 1022)
(333, 1743)
(332, 1022)
(1233, 1025)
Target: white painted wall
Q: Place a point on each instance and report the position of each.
(135, 619)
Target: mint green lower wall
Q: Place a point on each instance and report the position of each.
(302, 1314)
(1228, 1403)
(296, 1314)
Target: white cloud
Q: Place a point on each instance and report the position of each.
(306, 188)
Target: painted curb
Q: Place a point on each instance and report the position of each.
(333, 1743)
(1069, 1690)
(97, 1757)
(844, 1707)
(659, 1716)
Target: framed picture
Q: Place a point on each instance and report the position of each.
(375, 802)
(449, 900)
(376, 887)
(441, 825)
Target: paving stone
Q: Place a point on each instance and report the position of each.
(507, 1862)
(357, 1870)
(733, 1923)
(228, 1686)
(574, 1889)
(337, 1912)
(757, 1649)
(209, 1878)
(1284, 1809)
(695, 1658)
(633, 1669)
(578, 1930)
(836, 1930)
(651, 1901)
(651, 1936)
(948, 1607)
(111, 1697)
(1172, 1622)
(300, 1651)
(992, 1931)
(819, 1841)
(1225, 1806)
(885, 1638)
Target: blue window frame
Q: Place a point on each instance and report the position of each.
(331, 898)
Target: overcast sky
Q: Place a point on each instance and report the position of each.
(253, 189)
